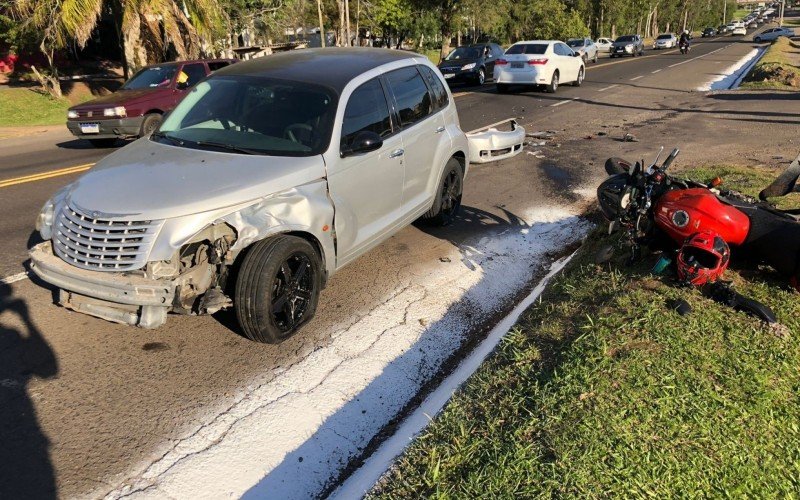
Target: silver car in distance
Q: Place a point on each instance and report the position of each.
(265, 180)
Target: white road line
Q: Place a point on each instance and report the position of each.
(14, 278)
(609, 87)
(563, 102)
(637, 77)
(656, 71)
(698, 57)
(492, 125)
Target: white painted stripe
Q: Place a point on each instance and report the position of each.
(491, 125)
(637, 77)
(656, 71)
(699, 57)
(609, 87)
(365, 477)
(14, 278)
(559, 103)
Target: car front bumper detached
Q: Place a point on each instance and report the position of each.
(117, 297)
(492, 144)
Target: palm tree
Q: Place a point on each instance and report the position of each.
(139, 23)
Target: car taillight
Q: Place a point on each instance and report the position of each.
(500, 62)
(533, 62)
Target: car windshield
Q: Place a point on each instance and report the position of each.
(152, 77)
(527, 48)
(464, 53)
(664, 37)
(626, 38)
(250, 115)
(575, 43)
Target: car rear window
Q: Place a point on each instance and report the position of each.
(527, 48)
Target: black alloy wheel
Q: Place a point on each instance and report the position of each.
(292, 292)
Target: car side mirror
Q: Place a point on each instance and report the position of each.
(182, 86)
(364, 142)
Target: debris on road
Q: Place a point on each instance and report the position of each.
(492, 144)
(630, 138)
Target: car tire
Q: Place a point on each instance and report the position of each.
(594, 60)
(553, 86)
(581, 75)
(585, 58)
(447, 202)
(502, 88)
(757, 39)
(150, 122)
(275, 275)
(481, 78)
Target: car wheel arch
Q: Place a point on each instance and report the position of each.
(304, 235)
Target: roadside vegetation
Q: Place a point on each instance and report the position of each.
(602, 389)
(23, 106)
(779, 68)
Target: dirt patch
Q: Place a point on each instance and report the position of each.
(780, 66)
(82, 91)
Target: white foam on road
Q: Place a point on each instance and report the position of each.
(290, 437)
(361, 481)
(14, 278)
(733, 75)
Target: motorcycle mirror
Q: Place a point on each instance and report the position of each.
(670, 158)
(655, 162)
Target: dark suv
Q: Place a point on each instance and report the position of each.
(136, 109)
(630, 45)
(470, 63)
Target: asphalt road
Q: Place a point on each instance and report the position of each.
(102, 402)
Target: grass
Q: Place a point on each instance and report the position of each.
(23, 107)
(602, 390)
(432, 54)
(779, 68)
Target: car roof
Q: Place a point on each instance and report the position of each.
(538, 41)
(174, 63)
(333, 67)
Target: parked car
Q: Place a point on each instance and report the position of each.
(770, 34)
(544, 63)
(665, 41)
(632, 45)
(232, 199)
(604, 44)
(136, 109)
(708, 32)
(585, 47)
(470, 63)
(722, 29)
(739, 30)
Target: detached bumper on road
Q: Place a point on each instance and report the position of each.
(118, 297)
(109, 128)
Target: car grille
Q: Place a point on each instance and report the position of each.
(103, 244)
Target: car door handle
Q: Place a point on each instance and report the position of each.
(440, 129)
(396, 153)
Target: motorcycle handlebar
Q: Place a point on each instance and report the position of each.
(670, 159)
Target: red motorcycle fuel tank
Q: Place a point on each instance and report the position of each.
(683, 212)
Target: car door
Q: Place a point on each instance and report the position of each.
(488, 60)
(569, 63)
(423, 132)
(367, 188)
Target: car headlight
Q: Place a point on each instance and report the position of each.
(629, 46)
(118, 111)
(44, 223)
(467, 66)
(71, 114)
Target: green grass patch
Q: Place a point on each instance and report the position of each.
(432, 54)
(779, 68)
(23, 106)
(602, 390)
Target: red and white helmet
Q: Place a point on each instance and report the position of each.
(703, 258)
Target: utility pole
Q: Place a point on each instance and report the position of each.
(321, 26)
(724, 11)
(780, 21)
(347, 20)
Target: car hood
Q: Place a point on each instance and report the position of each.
(148, 180)
(120, 98)
(459, 63)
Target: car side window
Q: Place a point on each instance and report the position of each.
(195, 72)
(215, 65)
(411, 95)
(437, 87)
(367, 110)
(498, 50)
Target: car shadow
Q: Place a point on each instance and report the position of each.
(27, 471)
(85, 144)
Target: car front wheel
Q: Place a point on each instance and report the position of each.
(277, 288)
(447, 202)
(757, 39)
(149, 124)
(579, 81)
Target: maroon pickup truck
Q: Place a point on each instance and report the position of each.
(137, 107)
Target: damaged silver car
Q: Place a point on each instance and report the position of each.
(265, 180)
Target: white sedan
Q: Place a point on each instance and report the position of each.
(546, 63)
(773, 34)
(739, 30)
(604, 44)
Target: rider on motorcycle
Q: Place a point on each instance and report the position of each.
(685, 38)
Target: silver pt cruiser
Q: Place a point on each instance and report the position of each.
(265, 180)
